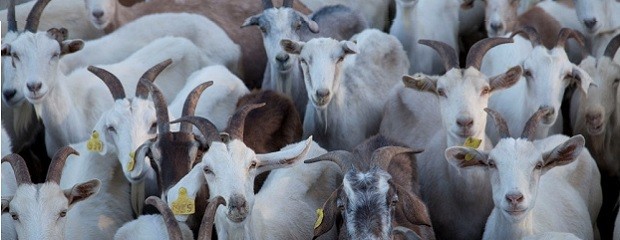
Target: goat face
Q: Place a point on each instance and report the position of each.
(597, 107)
(515, 167)
(593, 14)
(12, 94)
(322, 62)
(101, 12)
(500, 16)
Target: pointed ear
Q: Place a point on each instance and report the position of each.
(330, 214)
(291, 46)
(564, 153)
(582, 79)
(5, 204)
(349, 47)
(411, 207)
(462, 157)
(71, 46)
(421, 82)
(6, 49)
(251, 21)
(507, 79)
(283, 158)
(82, 191)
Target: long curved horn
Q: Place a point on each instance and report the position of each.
(207, 129)
(287, 3)
(612, 47)
(237, 121)
(267, 4)
(172, 226)
(142, 91)
(566, 33)
(383, 156)
(32, 23)
(478, 50)
(341, 157)
(206, 227)
(58, 163)
(530, 33)
(500, 123)
(529, 130)
(191, 101)
(446, 52)
(12, 23)
(19, 167)
(110, 80)
(161, 107)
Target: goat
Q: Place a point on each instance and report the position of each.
(520, 169)
(375, 12)
(601, 23)
(41, 211)
(334, 71)
(283, 72)
(389, 183)
(110, 15)
(9, 185)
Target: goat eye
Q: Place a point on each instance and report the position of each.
(55, 55)
(303, 61)
(63, 213)
(616, 81)
(111, 129)
(539, 166)
(297, 25)
(253, 164)
(14, 216)
(15, 56)
(527, 73)
(491, 164)
(262, 29)
(207, 170)
(485, 91)
(441, 92)
(153, 128)
(394, 200)
(340, 59)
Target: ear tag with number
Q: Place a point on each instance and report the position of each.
(471, 142)
(132, 161)
(183, 205)
(94, 144)
(319, 217)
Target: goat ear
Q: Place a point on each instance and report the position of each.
(462, 157)
(71, 46)
(291, 46)
(312, 25)
(82, 191)
(5, 204)
(251, 21)
(582, 78)
(421, 82)
(99, 139)
(507, 79)
(329, 215)
(283, 158)
(349, 47)
(564, 153)
(6, 50)
(411, 207)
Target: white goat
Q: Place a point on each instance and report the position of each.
(69, 118)
(601, 21)
(460, 95)
(9, 185)
(426, 19)
(347, 85)
(521, 169)
(155, 226)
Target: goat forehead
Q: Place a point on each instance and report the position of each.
(224, 156)
(278, 16)
(515, 152)
(31, 199)
(360, 184)
(35, 43)
(322, 47)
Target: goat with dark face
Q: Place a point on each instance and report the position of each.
(370, 199)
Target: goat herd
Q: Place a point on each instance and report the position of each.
(375, 119)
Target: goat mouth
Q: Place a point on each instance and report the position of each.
(595, 129)
(35, 97)
(515, 212)
(236, 217)
(320, 103)
(13, 101)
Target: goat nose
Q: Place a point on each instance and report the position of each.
(282, 57)
(590, 23)
(238, 203)
(514, 198)
(322, 93)
(496, 26)
(465, 122)
(34, 87)
(97, 13)
(8, 94)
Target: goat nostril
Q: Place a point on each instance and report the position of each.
(282, 57)
(322, 93)
(34, 87)
(8, 94)
(514, 198)
(98, 14)
(496, 26)
(465, 122)
(590, 23)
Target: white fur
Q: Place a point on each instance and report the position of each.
(604, 11)
(617, 229)
(375, 12)
(148, 227)
(9, 186)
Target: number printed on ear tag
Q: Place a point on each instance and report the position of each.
(183, 205)
(471, 142)
(94, 144)
(319, 218)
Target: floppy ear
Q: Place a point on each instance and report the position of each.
(71, 46)
(291, 46)
(330, 214)
(6, 50)
(411, 207)
(507, 79)
(251, 21)
(462, 157)
(312, 25)
(582, 79)
(349, 47)
(5, 204)
(564, 153)
(283, 158)
(82, 191)
(421, 82)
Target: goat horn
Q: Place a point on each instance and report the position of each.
(267, 4)
(446, 52)
(530, 33)
(529, 130)
(478, 50)
(172, 226)
(58, 163)
(408, 233)
(189, 106)
(141, 90)
(566, 33)
(32, 22)
(12, 23)
(287, 3)
(612, 47)
(207, 129)
(383, 156)
(206, 227)
(115, 85)
(19, 167)
(500, 123)
(237, 121)
(340, 157)
(161, 107)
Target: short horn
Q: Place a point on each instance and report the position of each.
(191, 101)
(110, 80)
(478, 50)
(172, 226)
(58, 163)
(384, 155)
(12, 23)
(141, 90)
(529, 131)
(566, 33)
(287, 3)
(32, 22)
(267, 4)
(612, 47)
(446, 52)
(19, 167)
(500, 123)
(206, 227)
(341, 157)
(161, 107)
(529, 33)
(237, 121)
(207, 128)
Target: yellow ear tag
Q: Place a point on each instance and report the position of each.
(132, 161)
(471, 142)
(319, 217)
(183, 205)
(94, 144)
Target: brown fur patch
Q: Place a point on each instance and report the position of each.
(547, 26)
